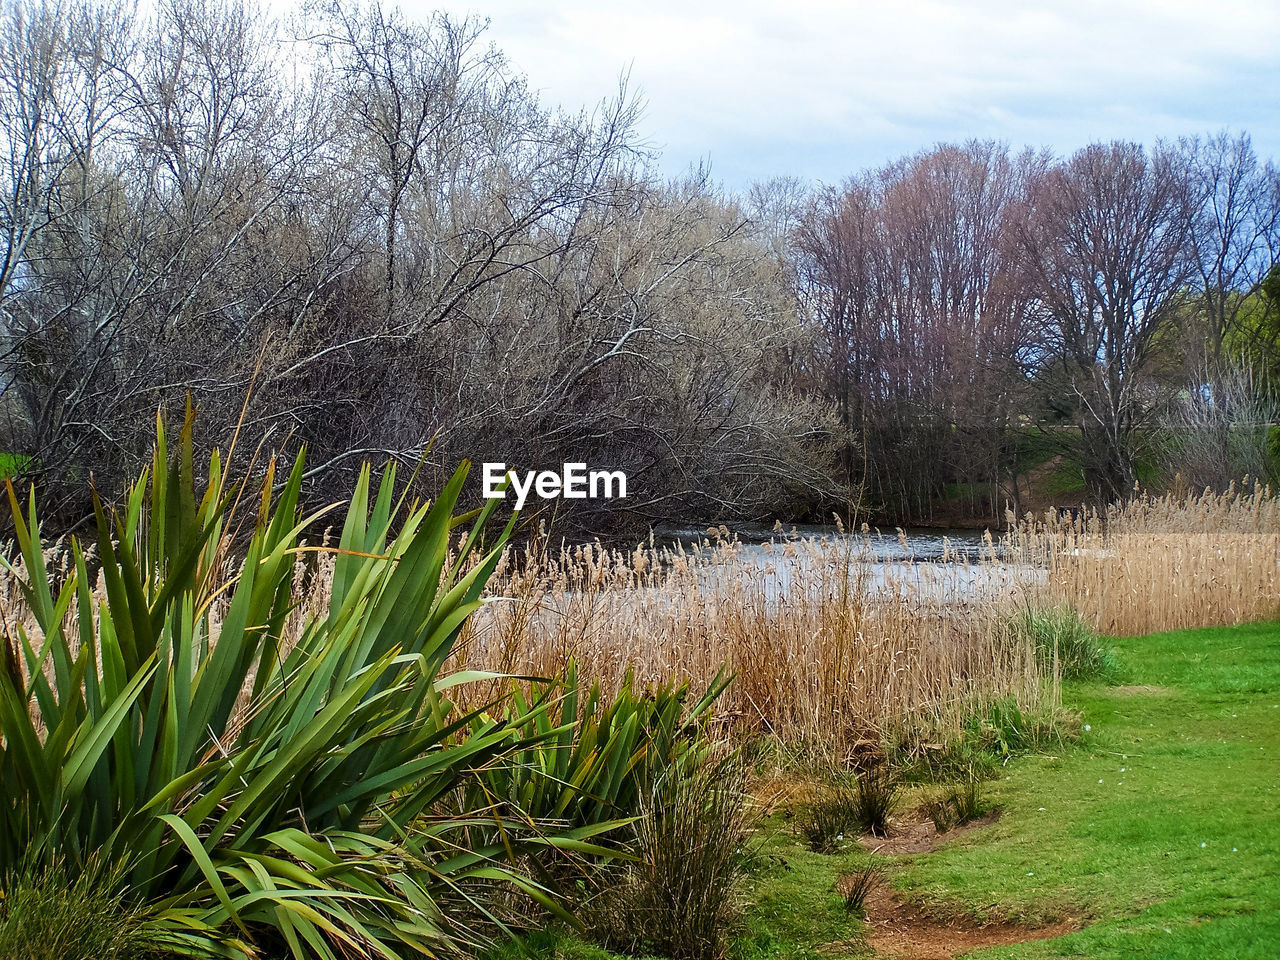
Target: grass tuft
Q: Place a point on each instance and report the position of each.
(1063, 640)
(831, 814)
(1004, 728)
(876, 797)
(854, 888)
(681, 898)
(51, 912)
(956, 804)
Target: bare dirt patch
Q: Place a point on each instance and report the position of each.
(913, 838)
(898, 930)
(901, 931)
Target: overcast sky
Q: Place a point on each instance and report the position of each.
(823, 89)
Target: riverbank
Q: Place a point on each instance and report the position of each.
(1157, 834)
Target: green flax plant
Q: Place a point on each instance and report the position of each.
(586, 761)
(266, 789)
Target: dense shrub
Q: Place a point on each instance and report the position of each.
(271, 776)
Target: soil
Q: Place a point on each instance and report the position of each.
(901, 931)
(913, 838)
(897, 930)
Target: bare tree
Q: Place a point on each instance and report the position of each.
(64, 100)
(1106, 256)
(164, 257)
(411, 88)
(1219, 431)
(375, 220)
(1234, 235)
(908, 270)
(839, 278)
(776, 208)
(665, 343)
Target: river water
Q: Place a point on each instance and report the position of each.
(944, 566)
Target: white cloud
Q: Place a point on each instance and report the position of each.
(823, 88)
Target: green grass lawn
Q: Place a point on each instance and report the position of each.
(1160, 829)
(1162, 826)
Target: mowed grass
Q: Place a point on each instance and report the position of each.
(794, 912)
(1161, 829)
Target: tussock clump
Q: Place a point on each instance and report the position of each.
(831, 814)
(680, 899)
(854, 888)
(1065, 644)
(956, 804)
(875, 799)
(51, 912)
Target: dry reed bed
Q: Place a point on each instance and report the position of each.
(822, 649)
(825, 647)
(828, 644)
(1162, 563)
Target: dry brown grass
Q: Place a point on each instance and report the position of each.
(824, 652)
(829, 654)
(831, 651)
(1163, 563)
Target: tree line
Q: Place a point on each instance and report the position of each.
(1111, 301)
(372, 228)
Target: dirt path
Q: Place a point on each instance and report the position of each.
(902, 931)
(907, 839)
(899, 931)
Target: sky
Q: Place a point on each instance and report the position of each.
(821, 90)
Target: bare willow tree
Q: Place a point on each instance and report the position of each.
(169, 157)
(1234, 236)
(1222, 430)
(59, 105)
(66, 324)
(837, 245)
(925, 328)
(665, 343)
(1106, 254)
(417, 95)
(376, 222)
